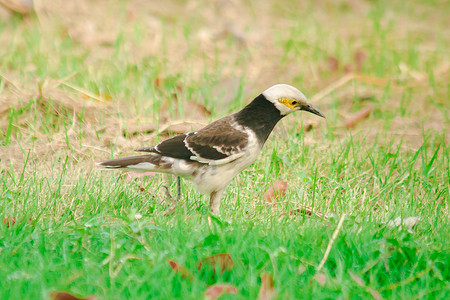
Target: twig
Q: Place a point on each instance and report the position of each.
(14, 87)
(407, 280)
(58, 82)
(87, 93)
(333, 86)
(330, 243)
(349, 77)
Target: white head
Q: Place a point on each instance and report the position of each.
(288, 99)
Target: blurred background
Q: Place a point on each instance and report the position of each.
(82, 81)
(100, 77)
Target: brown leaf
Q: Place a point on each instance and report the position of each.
(348, 68)
(267, 290)
(157, 82)
(68, 296)
(306, 210)
(224, 261)
(358, 117)
(359, 57)
(357, 279)
(11, 221)
(333, 64)
(375, 294)
(321, 278)
(180, 270)
(361, 283)
(277, 190)
(215, 291)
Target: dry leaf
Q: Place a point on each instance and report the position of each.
(301, 269)
(359, 116)
(68, 296)
(217, 290)
(348, 68)
(375, 294)
(306, 210)
(181, 127)
(321, 278)
(133, 130)
(361, 283)
(277, 190)
(267, 290)
(13, 220)
(357, 279)
(157, 82)
(333, 64)
(180, 270)
(9, 221)
(359, 57)
(408, 223)
(224, 261)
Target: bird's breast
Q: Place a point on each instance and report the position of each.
(212, 178)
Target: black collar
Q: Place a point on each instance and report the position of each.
(261, 116)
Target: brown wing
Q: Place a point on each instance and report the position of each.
(218, 140)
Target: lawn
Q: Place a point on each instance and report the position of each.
(365, 213)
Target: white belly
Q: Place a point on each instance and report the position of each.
(215, 178)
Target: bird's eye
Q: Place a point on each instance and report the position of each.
(294, 102)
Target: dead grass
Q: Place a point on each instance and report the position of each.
(234, 40)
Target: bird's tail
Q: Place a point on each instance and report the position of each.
(142, 163)
(152, 162)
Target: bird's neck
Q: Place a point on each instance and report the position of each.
(261, 116)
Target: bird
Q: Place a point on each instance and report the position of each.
(212, 156)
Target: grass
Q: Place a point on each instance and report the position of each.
(67, 93)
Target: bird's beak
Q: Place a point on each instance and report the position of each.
(314, 110)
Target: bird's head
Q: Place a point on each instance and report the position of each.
(288, 99)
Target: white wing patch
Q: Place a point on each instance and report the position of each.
(217, 162)
(187, 145)
(234, 154)
(141, 167)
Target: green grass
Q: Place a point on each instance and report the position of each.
(89, 232)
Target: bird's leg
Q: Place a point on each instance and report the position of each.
(214, 202)
(178, 188)
(169, 196)
(174, 201)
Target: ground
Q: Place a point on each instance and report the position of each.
(84, 81)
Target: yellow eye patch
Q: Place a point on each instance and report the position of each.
(288, 102)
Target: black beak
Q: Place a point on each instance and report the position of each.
(314, 110)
